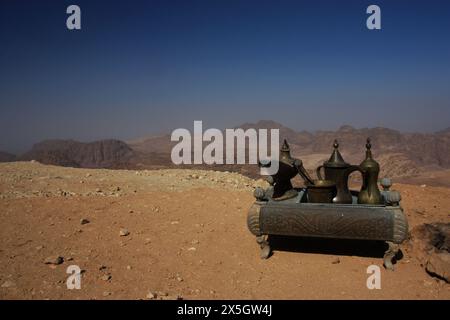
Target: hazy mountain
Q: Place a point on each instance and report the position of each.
(70, 153)
(399, 154)
(7, 157)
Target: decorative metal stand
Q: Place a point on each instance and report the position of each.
(284, 210)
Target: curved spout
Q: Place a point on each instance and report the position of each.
(303, 173)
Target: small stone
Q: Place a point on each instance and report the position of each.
(336, 261)
(179, 279)
(195, 241)
(84, 221)
(129, 268)
(150, 295)
(54, 260)
(162, 294)
(124, 232)
(107, 293)
(8, 284)
(438, 264)
(192, 249)
(174, 222)
(106, 277)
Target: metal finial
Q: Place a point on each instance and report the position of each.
(285, 146)
(335, 144)
(368, 144)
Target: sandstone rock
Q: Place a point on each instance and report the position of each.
(336, 261)
(150, 295)
(439, 264)
(106, 277)
(124, 232)
(54, 260)
(8, 284)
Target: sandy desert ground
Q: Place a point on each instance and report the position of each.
(182, 234)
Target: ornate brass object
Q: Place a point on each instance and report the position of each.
(322, 191)
(337, 170)
(326, 208)
(281, 181)
(369, 194)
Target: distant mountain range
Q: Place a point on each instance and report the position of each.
(70, 153)
(7, 157)
(399, 154)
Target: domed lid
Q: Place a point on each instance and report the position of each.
(336, 159)
(285, 151)
(369, 161)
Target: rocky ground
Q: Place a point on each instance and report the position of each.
(167, 234)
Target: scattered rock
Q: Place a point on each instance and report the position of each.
(106, 277)
(150, 295)
(192, 249)
(84, 221)
(107, 293)
(54, 260)
(430, 243)
(8, 284)
(124, 232)
(438, 264)
(336, 261)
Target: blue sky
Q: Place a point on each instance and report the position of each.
(138, 68)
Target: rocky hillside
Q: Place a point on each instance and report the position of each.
(400, 154)
(7, 157)
(70, 153)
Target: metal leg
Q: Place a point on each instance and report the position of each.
(390, 254)
(265, 247)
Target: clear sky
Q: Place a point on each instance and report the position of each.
(138, 68)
